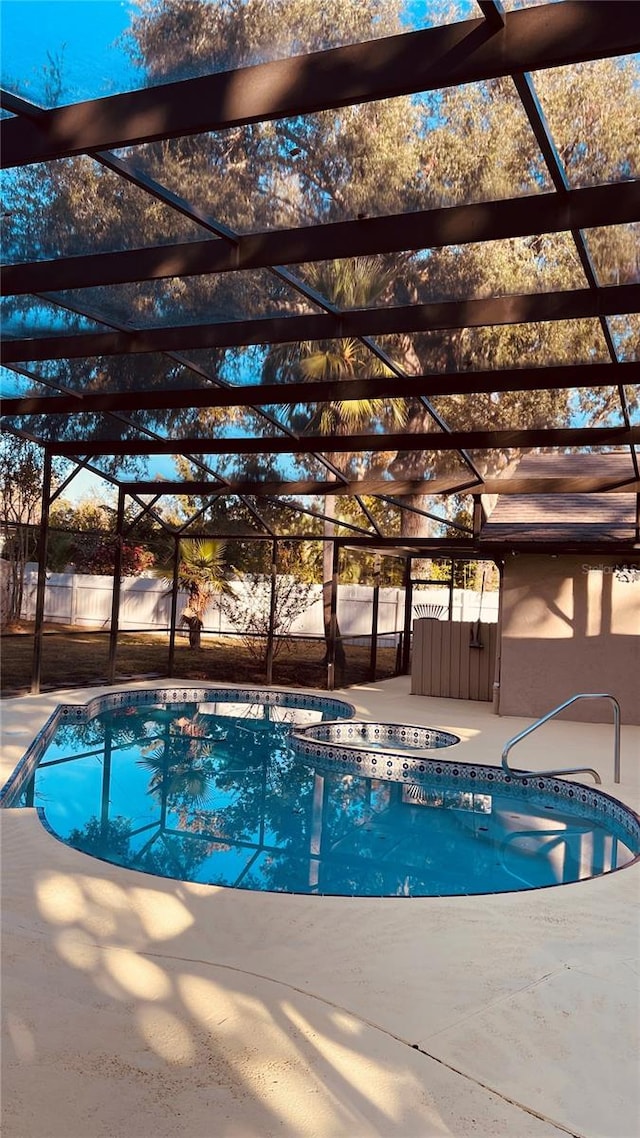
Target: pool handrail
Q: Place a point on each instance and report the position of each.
(551, 715)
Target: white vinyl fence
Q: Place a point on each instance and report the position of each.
(80, 599)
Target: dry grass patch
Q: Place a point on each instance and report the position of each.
(79, 657)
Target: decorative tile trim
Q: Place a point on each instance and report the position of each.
(142, 697)
(577, 799)
(394, 736)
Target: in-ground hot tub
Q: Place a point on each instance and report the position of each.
(268, 790)
(365, 735)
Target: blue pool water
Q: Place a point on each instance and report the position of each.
(235, 793)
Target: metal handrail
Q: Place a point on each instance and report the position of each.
(551, 715)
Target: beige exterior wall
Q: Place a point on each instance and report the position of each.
(569, 624)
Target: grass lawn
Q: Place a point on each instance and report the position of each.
(76, 657)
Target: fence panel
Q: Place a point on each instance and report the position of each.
(77, 598)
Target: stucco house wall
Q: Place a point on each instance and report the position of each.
(570, 624)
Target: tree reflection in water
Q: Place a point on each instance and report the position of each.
(214, 793)
(224, 783)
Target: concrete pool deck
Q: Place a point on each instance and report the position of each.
(139, 1007)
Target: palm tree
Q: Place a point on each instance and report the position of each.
(202, 573)
(184, 778)
(356, 282)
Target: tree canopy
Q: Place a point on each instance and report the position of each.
(460, 144)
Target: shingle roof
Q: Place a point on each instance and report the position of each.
(533, 518)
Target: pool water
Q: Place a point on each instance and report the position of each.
(214, 792)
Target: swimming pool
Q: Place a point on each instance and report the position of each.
(267, 790)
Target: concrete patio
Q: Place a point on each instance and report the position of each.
(140, 1007)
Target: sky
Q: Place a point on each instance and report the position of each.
(81, 35)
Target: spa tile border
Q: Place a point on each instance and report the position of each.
(577, 799)
(401, 736)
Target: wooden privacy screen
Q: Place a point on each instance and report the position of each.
(445, 663)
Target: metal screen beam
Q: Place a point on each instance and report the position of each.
(116, 587)
(613, 204)
(493, 12)
(530, 39)
(305, 512)
(452, 484)
(325, 391)
(396, 441)
(577, 484)
(38, 629)
(496, 550)
(530, 307)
